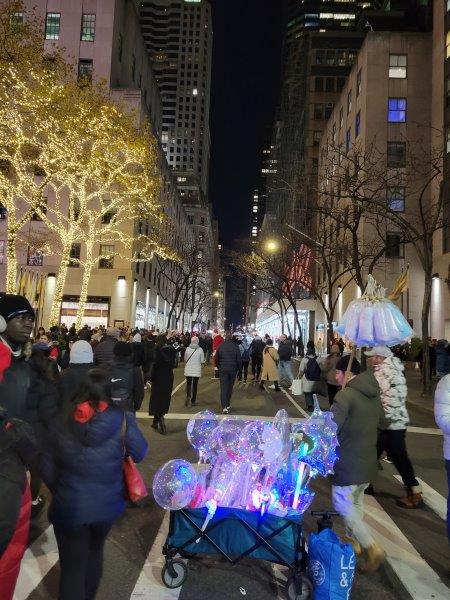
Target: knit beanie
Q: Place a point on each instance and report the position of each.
(342, 364)
(81, 353)
(123, 349)
(13, 305)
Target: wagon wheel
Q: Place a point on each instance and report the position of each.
(174, 573)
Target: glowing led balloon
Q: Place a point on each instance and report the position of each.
(281, 423)
(322, 429)
(200, 428)
(175, 484)
(225, 437)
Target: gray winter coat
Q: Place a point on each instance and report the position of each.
(358, 412)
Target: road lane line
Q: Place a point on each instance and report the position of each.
(412, 571)
(426, 430)
(297, 406)
(149, 585)
(39, 558)
(433, 499)
(178, 387)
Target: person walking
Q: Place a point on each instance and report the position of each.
(81, 360)
(310, 374)
(357, 412)
(104, 351)
(270, 366)
(389, 373)
(256, 353)
(126, 380)
(228, 362)
(83, 469)
(329, 372)
(300, 347)
(27, 387)
(194, 359)
(17, 453)
(244, 348)
(162, 382)
(285, 355)
(442, 416)
(442, 352)
(217, 341)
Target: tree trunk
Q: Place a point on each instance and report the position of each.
(59, 286)
(88, 266)
(426, 373)
(11, 263)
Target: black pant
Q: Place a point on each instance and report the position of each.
(227, 379)
(256, 367)
(393, 442)
(309, 398)
(81, 559)
(332, 391)
(191, 388)
(244, 368)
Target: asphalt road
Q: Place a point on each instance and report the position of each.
(418, 550)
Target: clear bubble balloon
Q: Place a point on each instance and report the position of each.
(225, 437)
(200, 428)
(259, 442)
(281, 423)
(174, 484)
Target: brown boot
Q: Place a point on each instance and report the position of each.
(372, 558)
(356, 545)
(413, 498)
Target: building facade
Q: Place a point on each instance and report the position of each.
(386, 107)
(104, 37)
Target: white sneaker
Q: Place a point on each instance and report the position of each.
(226, 410)
(272, 387)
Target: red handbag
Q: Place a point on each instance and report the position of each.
(135, 488)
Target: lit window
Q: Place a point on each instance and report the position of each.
(357, 123)
(255, 209)
(396, 155)
(358, 83)
(87, 27)
(396, 110)
(396, 198)
(52, 25)
(195, 92)
(348, 140)
(397, 66)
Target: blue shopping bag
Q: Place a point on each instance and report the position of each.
(331, 566)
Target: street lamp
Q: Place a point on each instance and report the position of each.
(272, 246)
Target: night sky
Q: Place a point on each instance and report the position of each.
(245, 87)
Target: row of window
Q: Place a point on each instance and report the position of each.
(53, 26)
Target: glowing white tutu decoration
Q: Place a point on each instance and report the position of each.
(373, 320)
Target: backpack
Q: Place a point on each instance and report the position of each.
(312, 372)
(121, 382)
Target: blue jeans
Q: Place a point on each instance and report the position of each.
(285, 368)
(447, 468)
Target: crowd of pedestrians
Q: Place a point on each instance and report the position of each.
(68, 394)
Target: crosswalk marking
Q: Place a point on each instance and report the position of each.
(37, 561)
(297, 406)
(149, 585)
(412, 571)
(433, 499)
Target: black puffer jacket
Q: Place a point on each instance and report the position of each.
(127, 384)
(285, 351)
(104, 352)
(29, 396)
(228, 357)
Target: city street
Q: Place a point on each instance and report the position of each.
(415, 541)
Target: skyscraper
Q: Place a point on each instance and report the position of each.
(178, 36)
